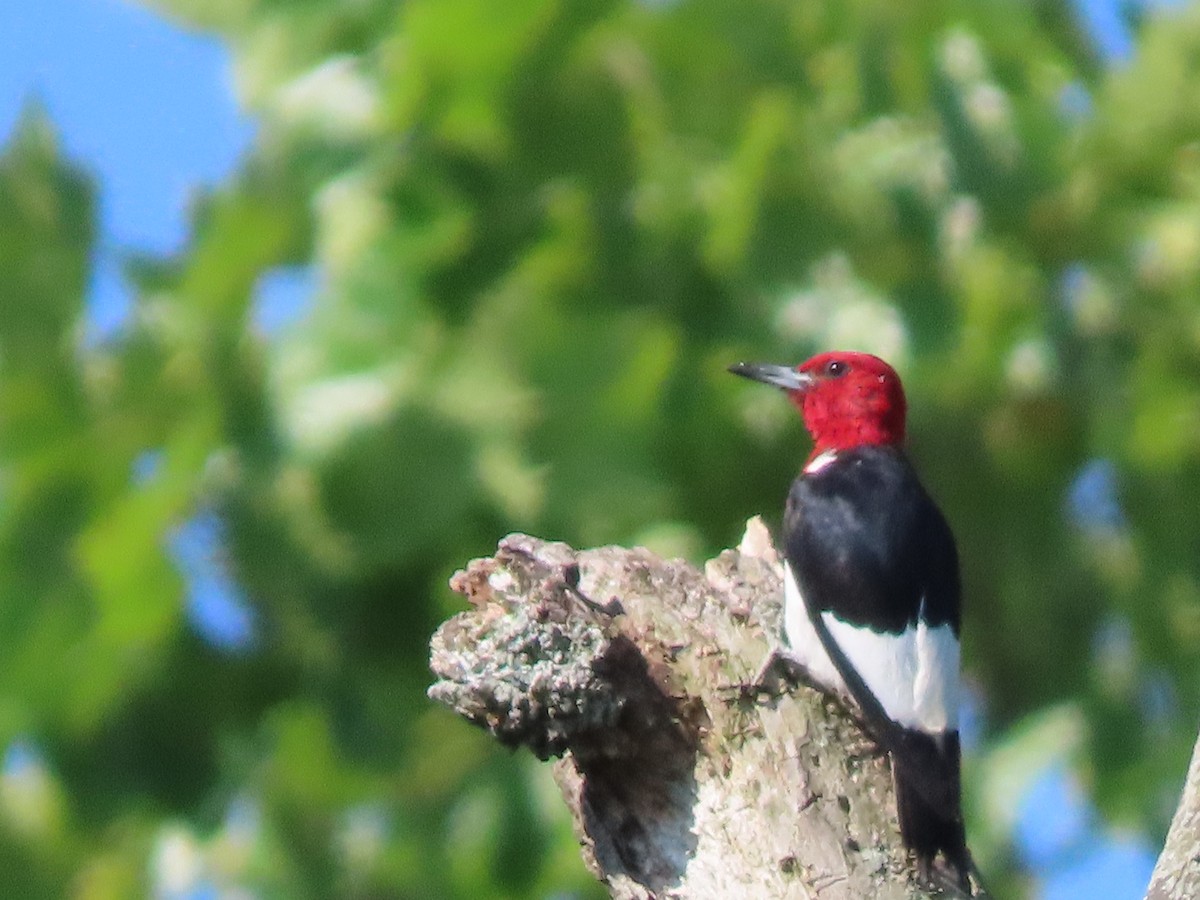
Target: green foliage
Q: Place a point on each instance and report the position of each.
(543, 229)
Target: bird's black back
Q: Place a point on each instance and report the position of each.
(866, 542)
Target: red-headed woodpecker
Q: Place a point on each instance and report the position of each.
(871, 587)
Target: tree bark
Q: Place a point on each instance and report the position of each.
(632, 671)
(1177, 872)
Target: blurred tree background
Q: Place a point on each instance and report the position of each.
(542, 228)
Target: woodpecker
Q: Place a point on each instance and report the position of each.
(871, 587)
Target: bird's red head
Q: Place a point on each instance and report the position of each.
(847, 399)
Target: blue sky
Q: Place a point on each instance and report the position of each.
(149, 109)
(146, 107)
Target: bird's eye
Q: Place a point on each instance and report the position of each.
(836, 369)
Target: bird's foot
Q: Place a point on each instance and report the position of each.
(779, 671)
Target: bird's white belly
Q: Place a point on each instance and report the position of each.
(914, 674)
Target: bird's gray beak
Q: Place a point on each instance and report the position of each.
(781, 376)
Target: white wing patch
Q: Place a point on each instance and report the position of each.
(935, 692)
(914, 675)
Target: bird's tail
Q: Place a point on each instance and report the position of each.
(927, 773)
(927, 793)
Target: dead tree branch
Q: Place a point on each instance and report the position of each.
(630, 670)
(1177, 872)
